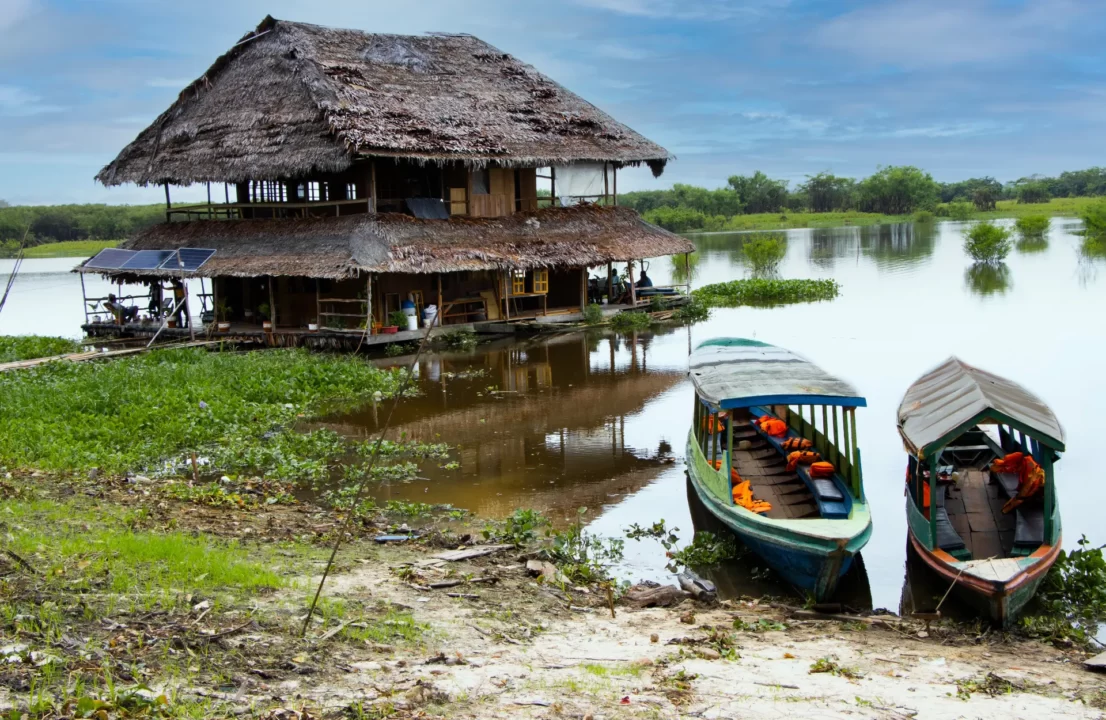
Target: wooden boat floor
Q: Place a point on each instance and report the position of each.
(766, 471)
(974, 505)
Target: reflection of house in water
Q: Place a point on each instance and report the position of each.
(543, 425)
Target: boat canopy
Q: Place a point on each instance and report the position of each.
(737, 373)
(953, 397)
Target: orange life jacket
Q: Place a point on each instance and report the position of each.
(801, 457)
(1031, 477)
(716, 427)
(772, 426)
(796, 444)
(743, 496)
(822, 469)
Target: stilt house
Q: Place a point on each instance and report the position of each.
(348, 172)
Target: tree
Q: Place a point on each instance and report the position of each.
(1035, 191)
(758, 193)
(826, 192)
(897, 190)
(983, 198)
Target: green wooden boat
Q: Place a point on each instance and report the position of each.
(815, 526)
(955, 421)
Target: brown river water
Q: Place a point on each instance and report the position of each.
(599, 420)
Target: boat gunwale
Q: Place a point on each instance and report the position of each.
(935, 559)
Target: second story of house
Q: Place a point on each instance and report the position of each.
(298, 120)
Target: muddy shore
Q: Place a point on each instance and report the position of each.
(404, 632)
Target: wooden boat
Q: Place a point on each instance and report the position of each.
(955, 422)
(815, 527)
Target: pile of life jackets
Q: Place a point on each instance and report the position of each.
(802, 457)
(743, 492)
(772, 426)
(717, 426)
(796, 444)
(1031, 477)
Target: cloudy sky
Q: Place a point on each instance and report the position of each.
(791, 87)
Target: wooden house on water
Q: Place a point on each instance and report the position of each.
(348, 172)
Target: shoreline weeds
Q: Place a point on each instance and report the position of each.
(386, 645)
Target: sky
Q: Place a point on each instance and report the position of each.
(960, 88)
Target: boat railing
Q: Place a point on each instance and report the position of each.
(846, 460)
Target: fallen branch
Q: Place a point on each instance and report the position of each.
(454, 583)
(466, 596)
(26, 565)
(778, 685)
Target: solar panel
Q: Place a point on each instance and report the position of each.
(110, 259)
(190, 259)
(146, 260)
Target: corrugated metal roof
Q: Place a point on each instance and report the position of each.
(735, 372)
(955, 394)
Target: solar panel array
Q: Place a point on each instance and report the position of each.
(183, 260)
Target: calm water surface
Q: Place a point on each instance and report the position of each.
(596, 420)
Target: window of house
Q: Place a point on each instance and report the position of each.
(268, 191)
(351, 191)
(311, 191)
(518, 282)
(541, 281)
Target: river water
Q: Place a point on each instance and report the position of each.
(600, 420)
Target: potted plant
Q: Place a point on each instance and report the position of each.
(396, 318)
(223, 310)
(263, 311)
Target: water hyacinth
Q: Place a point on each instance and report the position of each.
(763, 291)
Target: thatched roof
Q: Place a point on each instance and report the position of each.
(338, 247)
(292, 99)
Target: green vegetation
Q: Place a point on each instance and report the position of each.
(398, 318)
(829, 665)
(593, 314)
(960, 210)
(766, 292)
(986, 242)
(519, 528)
(1032, 225)
(135, 412)
(627, 321)
(584, 558)
(458, 340)
(705, 550)
(1071, 601)
(694, 310)
(923, 216)
(890, 195)
(71, 248)
(985, 279)
(64, 223)
(1094, 219)
(28, 347)
(765, 253)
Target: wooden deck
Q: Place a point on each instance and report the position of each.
(974, 506)
(765, 469)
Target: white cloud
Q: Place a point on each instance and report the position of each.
(945, 130)
(17, 102)
(934, 33)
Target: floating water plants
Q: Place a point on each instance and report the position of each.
(766, 291)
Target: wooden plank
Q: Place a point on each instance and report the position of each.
(986, 545)
(469, 553)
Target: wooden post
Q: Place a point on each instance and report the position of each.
(583, 289)
(633, 289)
(468, 192)
(318, 305)
(606, 186)
(168, 204)
(1050, 495)
(610, 283)
(272, 304)
(188, 312)
(369, 304)
(552, 186)
(438, 316)
(825, 422)
(729, 455)
(614, 173)
(845, 432)
(854, 460)
(506, 293)
(372, 185)
(687, 270)
(209, 201)
(836, 447)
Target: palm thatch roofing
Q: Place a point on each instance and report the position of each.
(340, 247)
(293, 99)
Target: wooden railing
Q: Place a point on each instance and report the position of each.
(236, 211)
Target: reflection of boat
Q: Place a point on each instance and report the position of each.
(748, 576)
(816, 525)
(988, 533)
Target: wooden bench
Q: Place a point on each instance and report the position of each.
(828, 493)
(1029, 520)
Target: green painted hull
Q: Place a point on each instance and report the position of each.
(811, 554)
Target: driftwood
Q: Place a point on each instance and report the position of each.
(646, 596)
(700, 589)
(454, 583)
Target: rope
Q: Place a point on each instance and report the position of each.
(15, 268)
(368, 473)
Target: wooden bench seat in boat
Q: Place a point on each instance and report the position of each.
(1029, 521)
(827, 492)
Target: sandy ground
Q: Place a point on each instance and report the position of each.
(514, 652)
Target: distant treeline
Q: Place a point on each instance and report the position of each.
(59, 223)
(896, 190)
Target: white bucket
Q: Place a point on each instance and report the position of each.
(412, 322)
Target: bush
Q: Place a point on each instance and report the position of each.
(961, 210)
(1033, 192)
(28, 347)
(677, 219)
(761, 291)
(1032, 225)
(631, 321)
(923, 216)
(1094, 220)
(986, 242)
(942, 210)
(765, 253)
(593, 314)
(1073, 595)
(694, 311)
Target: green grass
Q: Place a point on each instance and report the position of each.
(766, 292)
(132, 413)
(72, 248)
(28, 347)
(92, 547)
(627, 321)
(615, 670)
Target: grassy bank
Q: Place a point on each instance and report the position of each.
(74, 248)
(1067, 207)
(28, 347)
(134, 413)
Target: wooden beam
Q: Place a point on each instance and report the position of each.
(369, 303)
(610, 283)
(633, 289)
(372, 184)
(552, 186)
(438, 316)
(606, 186)
(583, 289)
(272, 303)
(614, 172)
